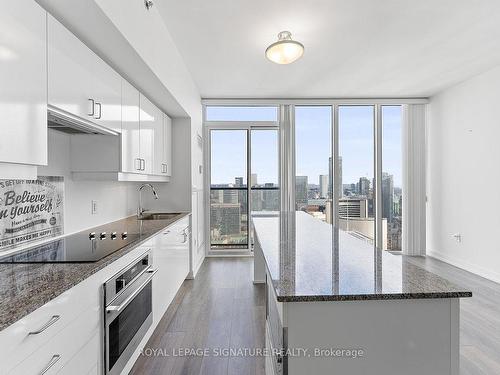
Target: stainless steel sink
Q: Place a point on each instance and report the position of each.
(160, 216)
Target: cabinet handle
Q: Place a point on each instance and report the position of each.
(92, 106)
(166, 232)
(138, 164)
(143, 164)
(51, 321)
(52, 362)
(100, 111)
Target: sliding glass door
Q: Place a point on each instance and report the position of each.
(244, 175)
(229, 189)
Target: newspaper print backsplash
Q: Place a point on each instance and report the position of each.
(30, 210)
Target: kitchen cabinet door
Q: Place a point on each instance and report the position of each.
(158, 159)
(70, 72)
(130, 129)
(171, 258)
(148, 118)
(167, 145)
(23, 87)
(107, 93)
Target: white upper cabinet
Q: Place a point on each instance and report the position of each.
(23, 88)
(107, 93)
(80, 83)
(83, 85)
(150, 118)
(167, 146)
(130, 142)
(158, 157)
(70, 72)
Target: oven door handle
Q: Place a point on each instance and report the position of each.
(126, 301)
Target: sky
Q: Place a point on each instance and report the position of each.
(313, 143)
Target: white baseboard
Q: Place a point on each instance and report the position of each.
(475, 269)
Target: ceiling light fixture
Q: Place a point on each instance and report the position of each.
(285, 50)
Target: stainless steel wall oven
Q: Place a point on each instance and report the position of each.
(128, 312)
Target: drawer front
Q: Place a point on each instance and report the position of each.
(275, 331)
(24, 337)
(86, 360)
(58, 351)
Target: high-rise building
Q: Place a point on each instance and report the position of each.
(225, 218)
(238, 181)
(364, 187)
(323, 185)
(253, 179)
(353, 208)
(230, 196)
(300, 192)
(387, 196)
(271, 198)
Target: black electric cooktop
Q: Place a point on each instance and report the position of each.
(82, 247)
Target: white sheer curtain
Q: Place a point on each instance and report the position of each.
(414, 185)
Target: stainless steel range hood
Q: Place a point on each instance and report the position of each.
(61, 120)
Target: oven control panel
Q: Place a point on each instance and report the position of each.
(115, 285)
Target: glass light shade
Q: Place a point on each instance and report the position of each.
(285, 50)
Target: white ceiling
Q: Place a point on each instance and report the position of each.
(353, 48)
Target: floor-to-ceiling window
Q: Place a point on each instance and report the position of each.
(392, 171)
(356, 210)
(313, 161)
(346, 156)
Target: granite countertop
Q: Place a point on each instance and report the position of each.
(308, 267)
(26, 287)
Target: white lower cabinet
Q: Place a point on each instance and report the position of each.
(55, 354)
(85, 361)
(37, 329)
(171, 258)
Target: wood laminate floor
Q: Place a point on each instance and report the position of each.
(223, 309)
(479, 318)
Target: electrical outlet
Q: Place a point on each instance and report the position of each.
(94, 207)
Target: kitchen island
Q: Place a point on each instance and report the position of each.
(336, 305)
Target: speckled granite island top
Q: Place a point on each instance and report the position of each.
(26, 287)
(308, 267)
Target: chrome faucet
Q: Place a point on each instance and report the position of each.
(140, 209)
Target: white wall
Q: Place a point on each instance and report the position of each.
(116, 200)
(464, 175)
